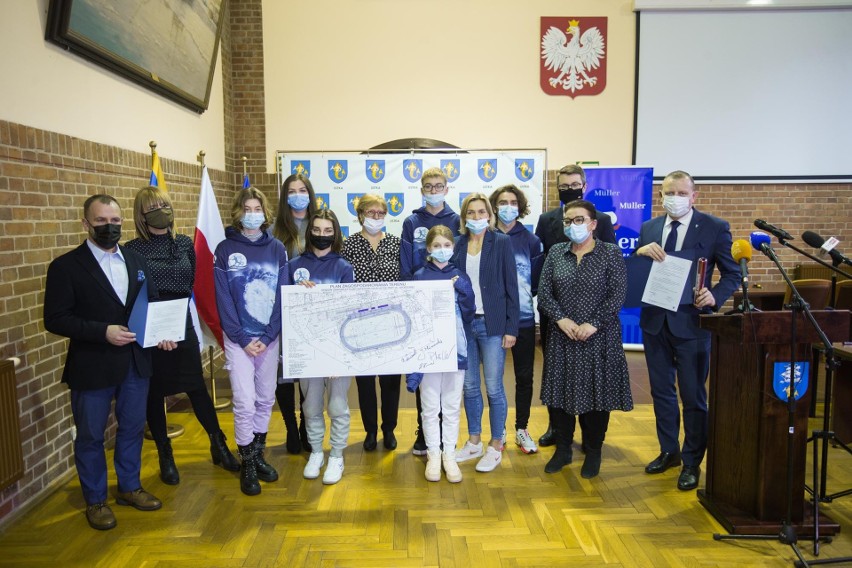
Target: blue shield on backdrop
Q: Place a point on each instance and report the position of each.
(352, 200)
(302, 167)
(625, 195)
(461, 200)
(345, 230)
(524, 168)
(338, 170)
(412, 169)
(396, 203)
(781, 379)
(322, 201)
(487, 169)
(375, 170)
(452, 169)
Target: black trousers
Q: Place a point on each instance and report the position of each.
(389, 385)
(285, 394)
(594, 429)
(523, 356)
(202, 406)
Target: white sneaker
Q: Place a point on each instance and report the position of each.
(490, 460)
(468, 452)
(334, 471)
(315, 462)
(503, 440)
(433, 465)
(451, 467)
(525, 442)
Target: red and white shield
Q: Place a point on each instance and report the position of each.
(573, 55)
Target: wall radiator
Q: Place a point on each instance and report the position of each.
(11, 455)
(815, 271)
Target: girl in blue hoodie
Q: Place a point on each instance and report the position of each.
(321, 263)
(250, 268)
(441, 393)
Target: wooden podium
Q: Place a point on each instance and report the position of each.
(746, 479)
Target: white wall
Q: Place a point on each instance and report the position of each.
(350, 75)
(45, 87)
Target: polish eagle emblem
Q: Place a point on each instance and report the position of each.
(573, 59)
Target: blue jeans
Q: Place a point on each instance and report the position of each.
(488, 350)
(91, 410)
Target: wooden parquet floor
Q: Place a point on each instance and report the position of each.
(384, 513)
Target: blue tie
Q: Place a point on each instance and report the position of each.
(671, 240)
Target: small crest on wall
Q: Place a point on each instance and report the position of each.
(412, 169)
(302, 168)
(573, 55)
(396, 203)
(375, 170)
(322, 200)
(451, 169)
(338, 170)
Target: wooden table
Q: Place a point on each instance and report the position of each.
(842, 403)
(770, 295)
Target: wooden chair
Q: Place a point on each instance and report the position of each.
(843, 295)
(815, 291)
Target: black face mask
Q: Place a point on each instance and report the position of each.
(569, 195)
(321, 243)
(106, 236)
(159, 218)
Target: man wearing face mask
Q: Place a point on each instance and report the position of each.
(88, 297)
(675, 346)
(571, 184)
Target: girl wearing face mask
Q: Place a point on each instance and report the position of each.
(375, 256)
(486, 256)
(171, 260)
(250, 268)
(441, 393)
(321, 263)
(582, 288)
(296, 204)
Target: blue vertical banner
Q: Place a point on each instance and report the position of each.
(625, 194)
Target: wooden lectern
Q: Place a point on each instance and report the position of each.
(746, 479)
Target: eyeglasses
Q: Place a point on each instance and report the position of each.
(575, 185)
(576, 220)
(375, 214)
(437, 188)
(155, 208)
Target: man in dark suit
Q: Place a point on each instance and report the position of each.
(675, 346)
(571, 184)
(89, 294)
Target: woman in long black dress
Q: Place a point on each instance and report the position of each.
(582, 288)
(171, 261)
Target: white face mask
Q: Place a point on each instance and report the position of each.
(252, 221)
(577, 233)
(676, 205)
(442, 254)
(476, 226)
(373, 226)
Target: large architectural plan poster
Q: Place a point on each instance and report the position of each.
(379, 328)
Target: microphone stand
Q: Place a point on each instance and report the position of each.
(788, 534)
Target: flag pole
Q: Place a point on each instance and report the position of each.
(218, 404)
(245, 166)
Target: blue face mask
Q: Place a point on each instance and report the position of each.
(507, 213)
(476, 226)
(441, 254)
(253, 221)
(298, 201)
(434, 199)
(577, 233)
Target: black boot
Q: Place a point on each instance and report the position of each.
(265, 472)
(547, 439)
(168, 470)
(221, 454)
(563, 456)
(248, 470)
(303, 436)
(592, 464)
(294, 442)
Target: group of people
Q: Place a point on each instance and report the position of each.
(571, 263)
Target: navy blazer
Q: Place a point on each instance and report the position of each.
(498, 280)
(79, 303)
(550, 228)
(711, 239)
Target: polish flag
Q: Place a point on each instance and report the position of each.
(209, 232)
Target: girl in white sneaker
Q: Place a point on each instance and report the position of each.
(321, 263)
(441, 393)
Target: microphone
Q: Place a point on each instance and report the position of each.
(825, 246)
(741, 251)
(761, 242)
(779, 233)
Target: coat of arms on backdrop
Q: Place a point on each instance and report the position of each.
(573, 55)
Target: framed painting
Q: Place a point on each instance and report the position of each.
(168, 46)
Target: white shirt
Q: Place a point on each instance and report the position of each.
(114, 267)
(681, 230)
(472, 269)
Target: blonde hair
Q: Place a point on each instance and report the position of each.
(367, 201)
(466, 203)
(238, 208)
(145, 199)
(433, 173)
(437, 231)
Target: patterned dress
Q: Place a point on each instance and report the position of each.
(591, 375)
(171, 263)
(381, 265)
